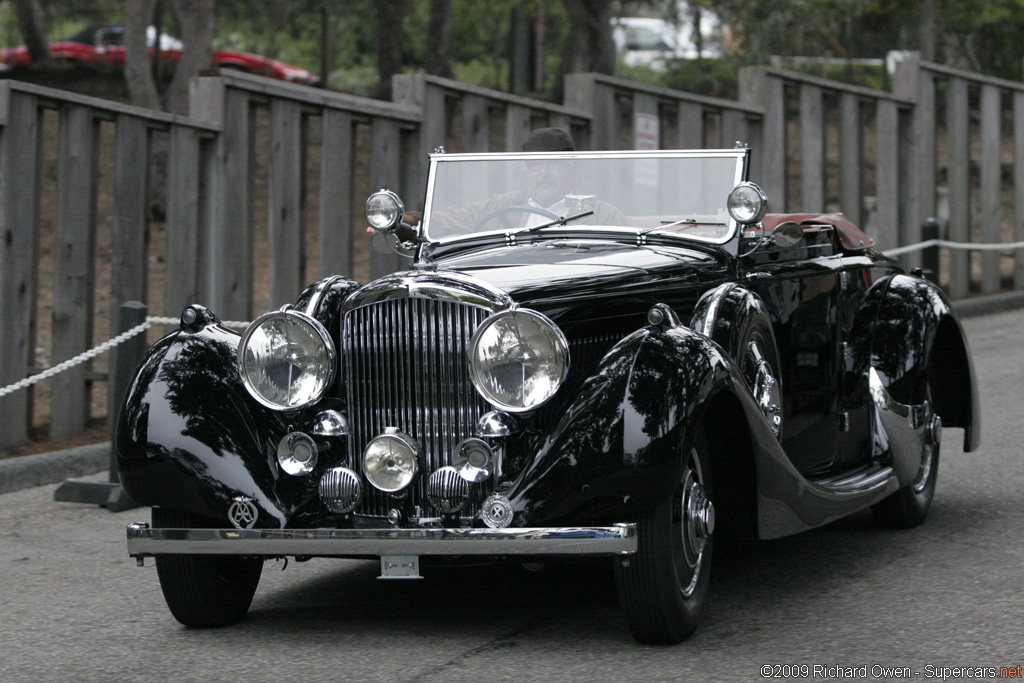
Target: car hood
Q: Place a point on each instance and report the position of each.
(554, 269)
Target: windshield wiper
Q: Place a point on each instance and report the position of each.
(558, 221)
(686, 223)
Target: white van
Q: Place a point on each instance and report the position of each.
(656, 42)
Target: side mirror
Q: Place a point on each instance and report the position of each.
(788, 234)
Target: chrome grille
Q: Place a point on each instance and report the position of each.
(406, 366)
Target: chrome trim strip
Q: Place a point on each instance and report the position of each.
(605, 154)
(619, 539)
(706, 323)
(318, 294)
(861, 481)
(438, 286)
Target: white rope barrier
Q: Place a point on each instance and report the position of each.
(97, 350)
(966, 246)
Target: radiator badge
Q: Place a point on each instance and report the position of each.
(243, 513)
(497, 511)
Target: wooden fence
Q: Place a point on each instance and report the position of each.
(969, 168)
(817, 153)
(263, 186)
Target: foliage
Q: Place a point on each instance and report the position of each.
(981, 35)
(712, 77)
(975, 34)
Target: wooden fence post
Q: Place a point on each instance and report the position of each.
(19, 217)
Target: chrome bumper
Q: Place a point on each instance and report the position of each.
(619, 539)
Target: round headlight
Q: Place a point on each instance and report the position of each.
(518, 359)
(389, 460)
(747, 203)
(287, 360)
(384, 210)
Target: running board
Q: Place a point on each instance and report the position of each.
(860, 480)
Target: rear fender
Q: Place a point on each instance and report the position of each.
(916, 338)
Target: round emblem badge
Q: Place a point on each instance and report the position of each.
(497, 512)
(243, 513)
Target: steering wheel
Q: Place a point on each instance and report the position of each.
(503, 215)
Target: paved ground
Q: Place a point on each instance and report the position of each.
(74, 607)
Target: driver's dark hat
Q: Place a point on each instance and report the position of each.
(549, 140)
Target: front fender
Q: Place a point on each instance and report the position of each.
(190, 437)
(620, 441)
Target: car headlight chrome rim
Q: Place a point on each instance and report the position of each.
(518, 359)
(287, 360)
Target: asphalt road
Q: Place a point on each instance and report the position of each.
(74, 607)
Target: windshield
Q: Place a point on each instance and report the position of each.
(680, 193)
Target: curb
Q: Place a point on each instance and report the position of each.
(27, 471)
(988, 304)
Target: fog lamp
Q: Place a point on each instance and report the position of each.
(390, 460)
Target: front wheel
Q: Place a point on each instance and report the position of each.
(663, 586)
(204, 590)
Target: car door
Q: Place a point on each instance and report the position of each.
(802, 288)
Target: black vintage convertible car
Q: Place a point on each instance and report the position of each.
(592, 354)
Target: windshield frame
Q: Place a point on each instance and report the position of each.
(741, 155)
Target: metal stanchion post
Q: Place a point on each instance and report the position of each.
(109, 494)
(930, 255)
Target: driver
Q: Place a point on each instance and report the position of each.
(549, 185)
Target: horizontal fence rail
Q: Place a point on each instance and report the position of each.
(259, 190)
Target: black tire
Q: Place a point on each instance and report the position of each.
(203, 591)
(909, 506)
(663, 587)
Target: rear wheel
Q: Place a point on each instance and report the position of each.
(204, 590)
(663, 586)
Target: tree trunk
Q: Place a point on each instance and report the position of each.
(326, 45)
(928, 30)
(439, 33)
(196, 20)
(522, 52)
(137, 72)
(30, 24)
(389, 15)
(589, 46)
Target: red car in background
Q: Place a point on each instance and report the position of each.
(102, 45)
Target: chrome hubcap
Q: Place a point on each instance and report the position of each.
(698, 521)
